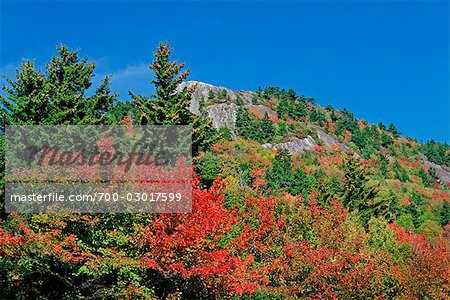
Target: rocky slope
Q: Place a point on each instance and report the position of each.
(222, 111)
(220, 105)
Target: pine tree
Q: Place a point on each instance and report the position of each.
(381, 126)
(57, 96)
(170, 106)
(357, 194)
(283, 108)
(26, 100)
(424, 176)
(54, 97)
(384, 167)
(280, 175)
(445, 213)
(244, 124)
(265, 130)
(392, 129)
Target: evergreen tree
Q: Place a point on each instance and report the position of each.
(244, 125)
(424, 176)
(317, 116)
(445, 213)
(266, 130)
(400, 172)
(381, 126)
(299, 183)
(384, 166)
(283, 108)
(392, 129)
(57, 96)
(357, 194)
(359, 138)
(280, 174)
(170, 106)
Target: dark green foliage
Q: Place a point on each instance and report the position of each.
(167, 107)
(265, 130)
(384, 167)
(244, 123)
(424, 176)
(121, 110)
(57, 96)
(288, 103)
(283, 108)
(400, 172)
(346, 122)
(381, 126)
(170, 106)
(329, 108)
(318, 116)
(280, 173)
(357, 194)
(415, 208)
(262, 131)
(437, 152)
(445, 213)
(386, 140)
(292, 108)
(359, 138)
(223, 94)
(208, 167)
(226, 133)
(300, 184)
(281, 131)
(392, 129)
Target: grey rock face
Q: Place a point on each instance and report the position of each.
(294, 145)
(202, 91)
(330, 141)
(261, 109)
(223, 112)
(223, 115)
(442, 174)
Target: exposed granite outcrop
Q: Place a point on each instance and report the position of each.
(201, 94)
(294, 145)
(330, 141)
(223, 115)
(261, 110)
(442, 173)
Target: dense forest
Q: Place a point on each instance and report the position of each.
(366, 221)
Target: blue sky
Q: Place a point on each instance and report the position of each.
(383, 60)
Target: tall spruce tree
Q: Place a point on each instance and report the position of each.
(280, 175)
(392, 129)
(53, 97)
(170, 106)
(357, 194)
(266, 130)
(57, 96)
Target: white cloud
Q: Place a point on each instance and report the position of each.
(135, 77)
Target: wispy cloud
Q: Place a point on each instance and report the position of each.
(134, 77)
